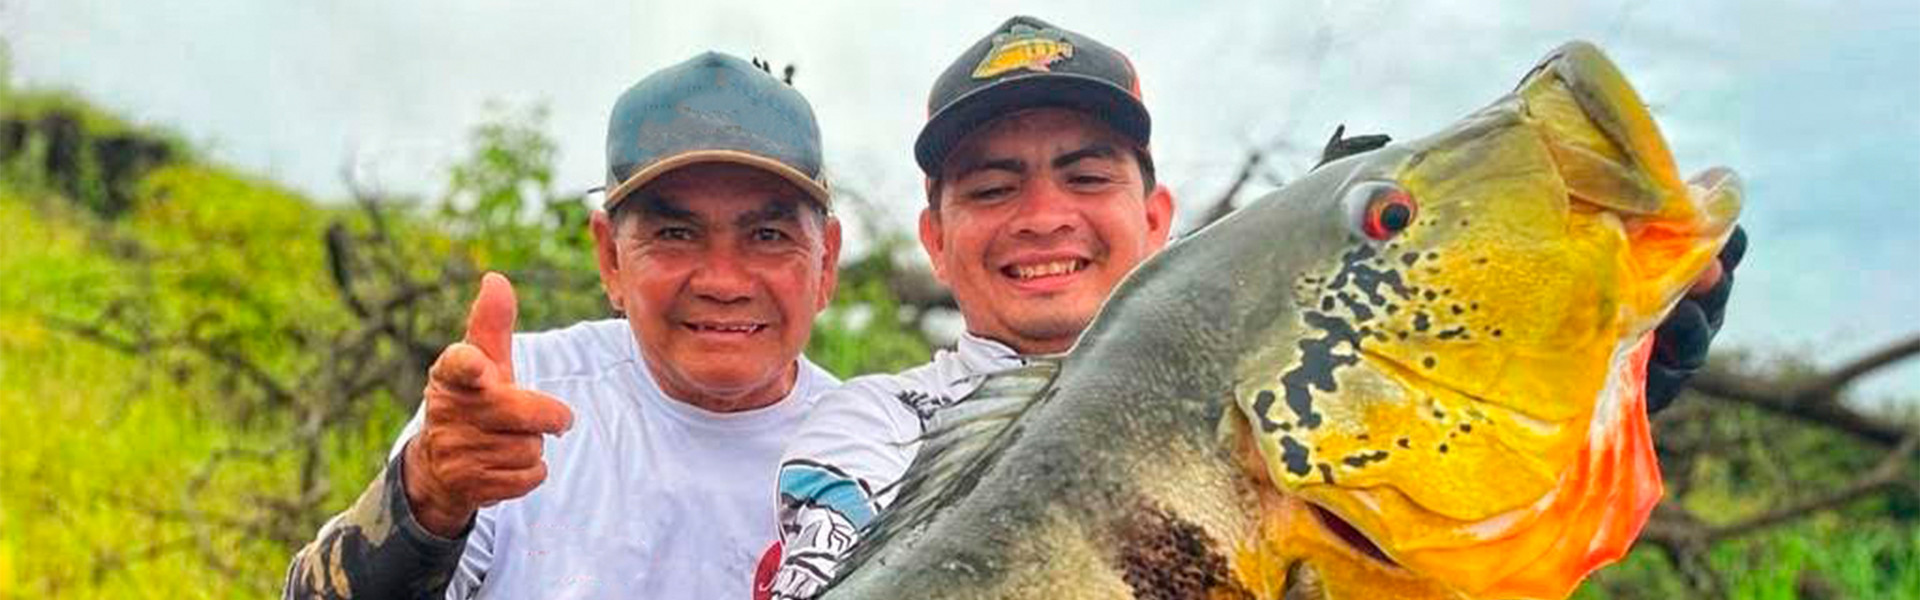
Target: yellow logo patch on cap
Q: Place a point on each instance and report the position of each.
(1023, 47)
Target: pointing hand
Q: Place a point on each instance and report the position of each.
(483, 435)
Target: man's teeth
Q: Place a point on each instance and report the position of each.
(743, 328)
(1058, 267)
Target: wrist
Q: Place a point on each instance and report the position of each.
(432, 506)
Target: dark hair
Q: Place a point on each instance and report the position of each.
(1140, 155)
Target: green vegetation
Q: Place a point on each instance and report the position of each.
(197, 367)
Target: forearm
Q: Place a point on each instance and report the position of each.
(376, 549)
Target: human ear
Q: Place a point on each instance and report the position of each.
(933, 241)
(829, 262)
(1159, 217)
(609, 256)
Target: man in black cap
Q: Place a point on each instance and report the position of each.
(1040, 197)
(629, 457)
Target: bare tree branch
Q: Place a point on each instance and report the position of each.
(1827, 388)
(1890, 473)
(277, 392)
(1817, 409)
(1223, 204)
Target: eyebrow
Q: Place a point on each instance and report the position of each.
(1095, 150)
(654, 206)
(1010, 165)
(773, 210)
(1019, 167)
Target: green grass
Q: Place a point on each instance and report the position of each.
(1878, 559)
(107, 464)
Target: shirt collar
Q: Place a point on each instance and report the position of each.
(982, 355)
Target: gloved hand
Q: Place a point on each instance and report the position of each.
(1680, 344)
(1341, 147)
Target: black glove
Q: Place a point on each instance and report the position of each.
(1680, 344)
(1342, 147)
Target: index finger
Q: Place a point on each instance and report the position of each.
(515, 410)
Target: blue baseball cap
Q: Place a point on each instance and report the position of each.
(712, 108)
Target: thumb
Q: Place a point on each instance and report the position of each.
(490, 322)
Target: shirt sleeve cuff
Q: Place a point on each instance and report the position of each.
(427, 542)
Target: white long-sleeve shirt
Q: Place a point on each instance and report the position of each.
(840, 467)
(645, 497)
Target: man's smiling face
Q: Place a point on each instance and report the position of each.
(1039, 215)
(720, 269)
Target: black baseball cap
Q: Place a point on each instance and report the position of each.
(712, 108)
(1028, 63)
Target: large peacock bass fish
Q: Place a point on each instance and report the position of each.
(1414, 373)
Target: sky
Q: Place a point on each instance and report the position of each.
(1817, 105)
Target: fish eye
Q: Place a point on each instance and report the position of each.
(1379, 210)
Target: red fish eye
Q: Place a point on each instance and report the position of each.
(1389, 213)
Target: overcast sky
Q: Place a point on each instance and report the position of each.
(1816, 104)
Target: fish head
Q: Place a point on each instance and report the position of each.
(1458, 391)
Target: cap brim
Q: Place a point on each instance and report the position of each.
(814, 189)
(1101, 98)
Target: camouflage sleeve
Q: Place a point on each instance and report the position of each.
(376, 550)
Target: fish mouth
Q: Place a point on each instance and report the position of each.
(1350, 535)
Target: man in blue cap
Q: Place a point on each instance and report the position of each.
(629, 457)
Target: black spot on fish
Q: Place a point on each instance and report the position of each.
(1403, 443)
(1465, 428)
(1464, 222)
(1421, 322)
(1360, 460)
(1263, 405)
(1427, 362)
(1297, 457)
(1438, 414)
(1286, 427)
(1443, 448)
(1456, 309)
(1317, 364)
(1480, 261)
(1496, 332)
(1431, 295)
(1357, 271)
(1361, 312)
(1433, 255)
(1362, 437)
(1326, 303)
(1164, 557)
(1453, 333)
(1474, 306)
(1392, 308)
(1409, 258)
(1326, 472)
